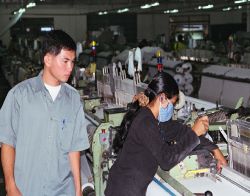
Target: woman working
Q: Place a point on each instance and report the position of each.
(140, 142)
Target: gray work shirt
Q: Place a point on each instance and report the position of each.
(43, 132)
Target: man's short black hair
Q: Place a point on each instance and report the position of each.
(55, 41)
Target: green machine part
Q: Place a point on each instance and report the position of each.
(102, 149)
(114, 115)
(99, 146)
(190, 163)
(90, 103)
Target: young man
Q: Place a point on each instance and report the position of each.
(43, 128)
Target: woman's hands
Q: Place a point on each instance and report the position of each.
(201, 125)
(221, 161)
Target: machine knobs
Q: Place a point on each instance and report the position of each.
(208, 193)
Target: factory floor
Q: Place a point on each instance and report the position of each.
(4, 88)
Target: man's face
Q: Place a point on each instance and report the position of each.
(58, 68)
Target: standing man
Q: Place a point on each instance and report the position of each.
(43, 128)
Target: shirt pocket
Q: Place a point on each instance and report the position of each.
(65, 135)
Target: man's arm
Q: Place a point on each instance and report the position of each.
(8, 160)
(74, 158)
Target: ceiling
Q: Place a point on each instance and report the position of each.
(133, 5)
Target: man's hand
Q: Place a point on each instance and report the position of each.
(13, 191)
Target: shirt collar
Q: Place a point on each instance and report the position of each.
(39, 85)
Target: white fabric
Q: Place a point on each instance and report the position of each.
(138, 58)
(131, 67)
(53, 90)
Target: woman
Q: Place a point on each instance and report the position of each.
(141, 143)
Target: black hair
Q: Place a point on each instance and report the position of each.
(55, 41)
(180, 37)
(161, 83)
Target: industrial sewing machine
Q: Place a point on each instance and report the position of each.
(103, 118)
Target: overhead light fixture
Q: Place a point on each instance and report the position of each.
(146, 6)
(21, 10)
(123, 10)
(171, 11)
(102, 13)
(240, 1)
(155, 4)
(46, 29)
(226, 9)
(32, 4)
(206, 7)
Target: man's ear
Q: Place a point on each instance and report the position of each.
(47, 59)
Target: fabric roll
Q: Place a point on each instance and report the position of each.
(188, 89)
(179, 79)
(188, 78)
(187, 67)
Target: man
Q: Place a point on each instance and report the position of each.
(42, 127)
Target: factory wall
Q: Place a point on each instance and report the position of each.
(76, 26)
(151, 25)
(232, 17)
(248, 18)
(159, 23)
(4, 20)
(73, 21)
(69, 20)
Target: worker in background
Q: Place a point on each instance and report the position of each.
(139, 142)
(179, 45)
(43, 128)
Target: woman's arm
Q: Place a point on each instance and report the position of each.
(221, 161)
(166, 155)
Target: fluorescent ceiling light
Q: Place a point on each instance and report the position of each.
(32, 4)
(102, 13)
(240, 1)
(155, 4)
(146, 6)
(171, 11)
(21, 10)
(46, 29)
(206, 7)
(123, 10)
(226, 9)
